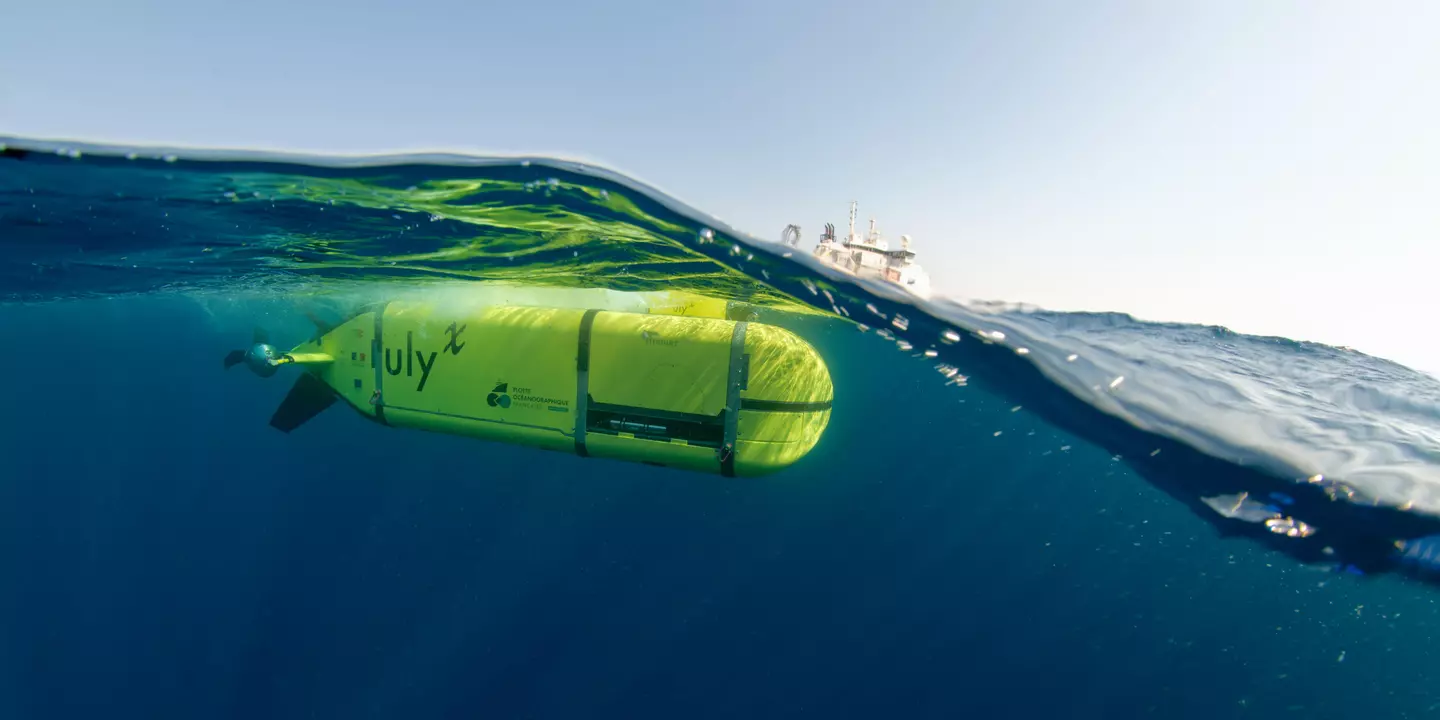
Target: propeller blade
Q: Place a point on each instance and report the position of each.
(233, 358)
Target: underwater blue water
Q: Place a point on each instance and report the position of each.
(1032, 541)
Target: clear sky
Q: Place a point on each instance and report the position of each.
(1268, 165)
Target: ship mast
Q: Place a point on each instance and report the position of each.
(854, 206)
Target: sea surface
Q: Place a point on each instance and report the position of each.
(1012, 513)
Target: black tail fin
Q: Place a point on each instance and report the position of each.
(322, 326)
(308, 397)
(233, 358)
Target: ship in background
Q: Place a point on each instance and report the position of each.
(868, 257)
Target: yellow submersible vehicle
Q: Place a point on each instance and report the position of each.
(670, 379)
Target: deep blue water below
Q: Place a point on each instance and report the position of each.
(168, 555)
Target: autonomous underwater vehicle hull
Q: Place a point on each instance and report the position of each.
(687, 382)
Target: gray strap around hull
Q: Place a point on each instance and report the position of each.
(377, 346)
(582, 381)
(736, 380)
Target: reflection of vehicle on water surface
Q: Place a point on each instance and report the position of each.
(869, 256)
(672, 379)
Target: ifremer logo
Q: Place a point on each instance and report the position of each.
(499, 396)
(653, 338)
